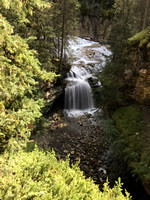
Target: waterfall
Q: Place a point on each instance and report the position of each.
(85, 57)
(78, 94)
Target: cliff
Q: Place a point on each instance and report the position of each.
(140, 66)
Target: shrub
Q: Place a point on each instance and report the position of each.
(19, 72)
(38, 175)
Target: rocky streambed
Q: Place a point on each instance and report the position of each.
(84, 141)
(80, 138)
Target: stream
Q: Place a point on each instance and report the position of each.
(86, 58)
(76, 131)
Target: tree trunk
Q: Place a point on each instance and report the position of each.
(58, 47)
(63, 35)
(146, 14)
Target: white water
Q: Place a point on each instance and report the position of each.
(86, 57)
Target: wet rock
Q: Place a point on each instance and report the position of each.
(91, 171)
(80, 123)
(101, 169)
(66, 151)
(77, 158)
(82, 141)
(52, 128)
(85, 167)
(99, 162)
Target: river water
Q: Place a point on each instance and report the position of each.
(86, 57)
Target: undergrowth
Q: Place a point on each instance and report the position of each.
(128, 136)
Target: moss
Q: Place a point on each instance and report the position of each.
(132, 141)
(141, 39)
(148, 45)
(128, 119)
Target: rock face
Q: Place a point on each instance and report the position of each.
(140, 66)
(140, 79)
(140, 74)
(142, 87)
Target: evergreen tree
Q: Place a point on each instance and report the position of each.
(32, 20)
(112, 75)
(41, 28)
(20, 74)
(65, 23)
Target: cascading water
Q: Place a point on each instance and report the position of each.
(85, 57)
(78, 95)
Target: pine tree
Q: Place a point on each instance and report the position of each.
(20, 73)
(32, 20)
(65, 23)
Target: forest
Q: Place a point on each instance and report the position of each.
(75, 99)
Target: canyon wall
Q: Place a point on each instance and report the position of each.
(139, 51)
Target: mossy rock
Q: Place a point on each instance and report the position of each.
(128, 119)
(148, 45)
(141, 39)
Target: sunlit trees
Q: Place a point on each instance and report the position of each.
(32, 20)
(20, 74)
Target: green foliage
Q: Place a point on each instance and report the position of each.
(41, 27)
(109, 128)
(38, 175)
(131, 142)
(14, 125)
(32, 21)
(17, 11)
(40, 22)
(143, 167)
(20, 74)
(70, 13)
(104, 7)
(110, 94)
(42, 125)
(128, 121)
(133, 11)
(113, 92)
(18, 65)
